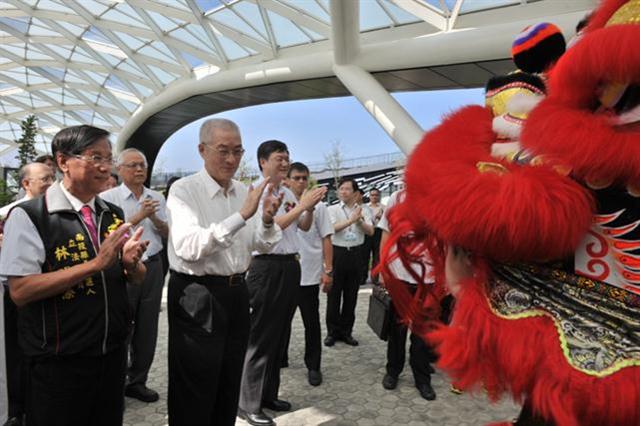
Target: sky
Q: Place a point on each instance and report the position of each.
(311, 127)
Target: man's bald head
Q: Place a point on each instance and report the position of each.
(35, 178)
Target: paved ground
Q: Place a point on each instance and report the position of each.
(351, 393)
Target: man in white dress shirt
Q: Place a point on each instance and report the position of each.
(316, 263)
(273, 280)
(350, 223)
(213, 231)
(144, 208)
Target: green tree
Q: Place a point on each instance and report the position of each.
(6, 196)
(27, 142)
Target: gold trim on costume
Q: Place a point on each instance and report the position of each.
(597, 324)
(629, 13)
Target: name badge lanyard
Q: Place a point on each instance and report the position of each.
(350, 235)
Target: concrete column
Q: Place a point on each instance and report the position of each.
(394, 119)
(345, 35)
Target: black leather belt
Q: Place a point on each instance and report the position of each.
(340, 248)
(228, 280)
(292, 256)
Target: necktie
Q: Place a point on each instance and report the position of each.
(91, 225)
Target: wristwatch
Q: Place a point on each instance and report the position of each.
(329, 272)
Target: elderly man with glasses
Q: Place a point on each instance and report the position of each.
(214, 229)
(35, 179)
(144, 208)
(67, 257)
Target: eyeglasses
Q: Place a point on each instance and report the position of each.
(297, 178)
(44, 179)
(140, 165)
(95, 159)
(224, 152)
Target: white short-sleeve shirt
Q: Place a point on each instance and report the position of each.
(352, 235)
(122, 197)
(311, 246)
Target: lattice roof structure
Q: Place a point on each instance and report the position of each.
(99, 61)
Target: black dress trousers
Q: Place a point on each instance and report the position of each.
(309, 304)
(420, 354)
(208, 333)
(77, 390)
(273, 282)
(342, 299)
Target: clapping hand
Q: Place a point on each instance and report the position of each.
(270, 205)
(111, 247)
(133, 249)
(311, 197)
(356, 214)
(149, 207)
(250, 205)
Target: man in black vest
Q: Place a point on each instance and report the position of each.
(67, 257)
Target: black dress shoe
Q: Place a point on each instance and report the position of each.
(141, 393)
(315, 377)
(389, 382)
(426, 391)
(277, 405)
(349, 340)
(329, 340)
(256, 419)
(14, 421)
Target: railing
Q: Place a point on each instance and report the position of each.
(370, 160)
(159, 180)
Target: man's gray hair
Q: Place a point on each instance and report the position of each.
(23, 173)
(210, 125)
(26, 170)
(127, 151)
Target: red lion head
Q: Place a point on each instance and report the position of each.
(590, 119)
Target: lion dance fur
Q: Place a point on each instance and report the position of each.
(534, 214)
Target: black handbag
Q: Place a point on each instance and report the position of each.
(379, 315)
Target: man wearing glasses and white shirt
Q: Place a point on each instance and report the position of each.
(316, 254)
(144, 208)
(350, 222)
(213, 231)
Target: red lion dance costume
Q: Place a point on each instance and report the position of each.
(551, 312)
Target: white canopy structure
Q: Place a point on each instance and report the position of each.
(117, 63)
